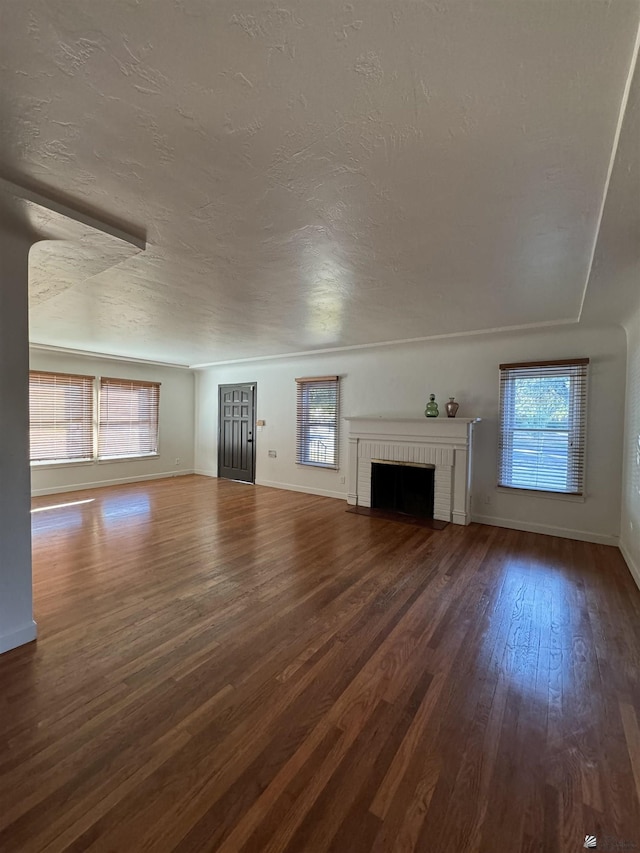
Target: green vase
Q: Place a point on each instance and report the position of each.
(432, 407)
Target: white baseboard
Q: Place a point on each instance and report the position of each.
(309, 490)
(634, 568)
(206, 472)
(23, 635)
(80, 487)
(548, 530)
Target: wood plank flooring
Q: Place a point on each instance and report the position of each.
(231, 668)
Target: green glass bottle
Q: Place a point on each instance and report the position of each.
(432, 407)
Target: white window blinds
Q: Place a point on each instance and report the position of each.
(543, 410)
(61, 416)
(128, 423)
(317, 437)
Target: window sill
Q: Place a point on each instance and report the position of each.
(109, 459)
(318, 465)
(60, 463)
(65, 463)
(537, 493)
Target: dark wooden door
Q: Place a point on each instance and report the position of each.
(236, 429)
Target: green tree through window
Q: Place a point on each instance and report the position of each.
(542, 426)
(317, 422)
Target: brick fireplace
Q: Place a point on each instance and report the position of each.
(444, 443)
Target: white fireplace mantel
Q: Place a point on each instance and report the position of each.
(445, 443)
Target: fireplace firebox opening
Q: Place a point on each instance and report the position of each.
(404, 487)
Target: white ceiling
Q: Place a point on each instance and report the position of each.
(323, 174)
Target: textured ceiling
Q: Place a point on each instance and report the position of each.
(315, 174)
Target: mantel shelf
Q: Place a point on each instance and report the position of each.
(412, 419)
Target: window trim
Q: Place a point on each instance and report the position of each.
(571, 497)
(62, 375)
(578, 371)
(302, 443)
(40, 464)
(139, 383)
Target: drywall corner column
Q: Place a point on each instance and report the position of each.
(16, 604)
(630, 521)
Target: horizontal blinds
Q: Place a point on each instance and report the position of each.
(543, 408)
(128, 418)
(61, 416)
(317, 437)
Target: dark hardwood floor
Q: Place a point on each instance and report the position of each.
(231, 668)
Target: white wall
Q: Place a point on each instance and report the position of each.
(176, 431)
(630, 524)
(397, 380)
(16, 611)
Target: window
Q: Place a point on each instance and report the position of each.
(317, 419)
(128, 424)
(543, 425)
(61, 417)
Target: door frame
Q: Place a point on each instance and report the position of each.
(254, 387)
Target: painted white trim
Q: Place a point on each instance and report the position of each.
(634, 568)
(81, 487)
(309, 490)
(458, 518)
(206, 472)
(535, 493)
(399, 342)
(18, 638)
(105, 356)
(548, 530)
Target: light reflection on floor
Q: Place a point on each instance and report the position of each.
(62, 506)
(133, 508)
(66, 520)
(530, 638)
(114, 509)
